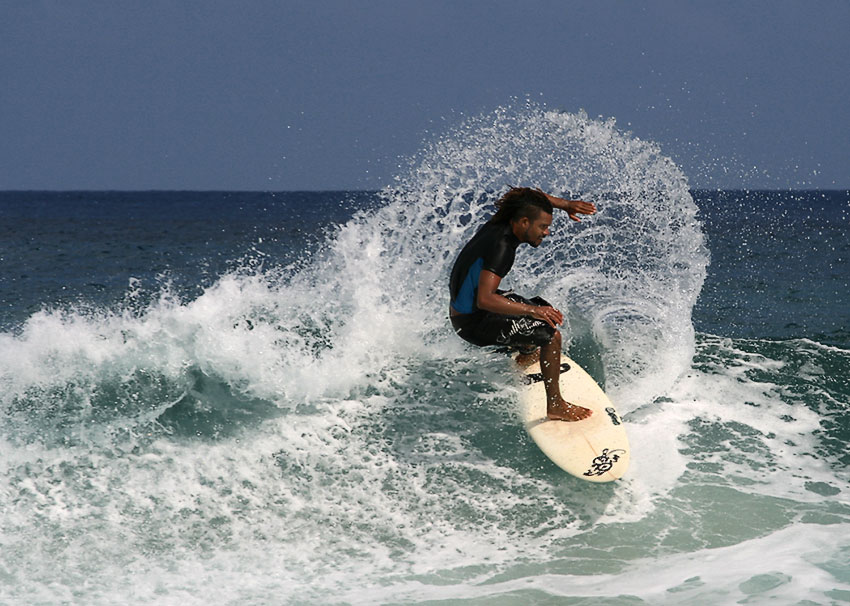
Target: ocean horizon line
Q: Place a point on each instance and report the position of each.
(365, 191)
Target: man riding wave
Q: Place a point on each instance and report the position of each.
(484, 315)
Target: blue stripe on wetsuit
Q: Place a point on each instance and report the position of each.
(465, 301)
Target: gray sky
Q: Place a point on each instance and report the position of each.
(330, 94)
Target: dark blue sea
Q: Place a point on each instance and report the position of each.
(256, 398)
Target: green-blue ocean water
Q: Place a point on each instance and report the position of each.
(255, 398)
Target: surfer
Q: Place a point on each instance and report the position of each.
(484, 315)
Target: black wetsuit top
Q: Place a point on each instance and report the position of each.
(493, 248)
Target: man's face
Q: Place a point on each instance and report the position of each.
(537, 229)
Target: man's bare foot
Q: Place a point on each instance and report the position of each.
(526, 360)
(560, 410)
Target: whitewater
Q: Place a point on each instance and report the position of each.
(297, 423)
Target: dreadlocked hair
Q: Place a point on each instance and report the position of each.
(521, 202)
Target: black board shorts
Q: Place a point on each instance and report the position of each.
(514, 333)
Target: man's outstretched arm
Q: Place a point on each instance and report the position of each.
(574, 208)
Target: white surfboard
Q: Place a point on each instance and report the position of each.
(595, 449)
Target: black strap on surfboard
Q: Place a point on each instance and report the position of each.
(538, 376)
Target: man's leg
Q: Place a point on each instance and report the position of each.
(557, 408)
(524, 360)
(501, 330)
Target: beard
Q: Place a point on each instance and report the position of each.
(534, 243)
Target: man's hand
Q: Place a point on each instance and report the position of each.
(574, 208)
(550, 315)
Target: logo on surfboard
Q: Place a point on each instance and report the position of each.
(612, 414)
(604, 462)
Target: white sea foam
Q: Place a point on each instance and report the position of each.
(318, 434)
(793, 573)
